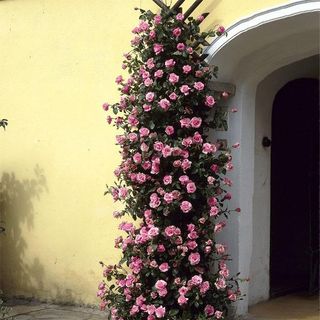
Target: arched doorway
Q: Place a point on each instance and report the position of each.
(294, 248)
(270, 59)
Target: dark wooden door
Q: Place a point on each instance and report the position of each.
(294, 251)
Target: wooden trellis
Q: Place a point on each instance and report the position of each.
(177, 8)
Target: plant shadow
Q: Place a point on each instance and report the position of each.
(18, 275)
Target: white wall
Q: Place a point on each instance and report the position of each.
(246, 60)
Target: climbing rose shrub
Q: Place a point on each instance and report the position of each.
(172, 178)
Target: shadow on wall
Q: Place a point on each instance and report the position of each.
(17, 276)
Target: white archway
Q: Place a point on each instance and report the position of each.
(260, 54)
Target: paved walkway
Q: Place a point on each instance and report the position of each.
(23, 310)
(291, 307)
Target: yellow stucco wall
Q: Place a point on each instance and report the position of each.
(58, 61)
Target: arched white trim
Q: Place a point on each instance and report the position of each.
(254, 48)
(260, 18)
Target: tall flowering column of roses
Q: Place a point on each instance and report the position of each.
(171, 178)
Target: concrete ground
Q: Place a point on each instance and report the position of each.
(291, 307)
(24, 310)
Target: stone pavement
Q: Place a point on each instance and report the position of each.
(291, 307)
(24, 310)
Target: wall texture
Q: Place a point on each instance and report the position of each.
(58, 61)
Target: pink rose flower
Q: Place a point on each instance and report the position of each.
(176, 32)
(164, 267)
(160, 312)
(214, 168)
(169, 130)
(185, 123)
(158, 73)
(199, 73)
(132, 120)
(141, 178)
(157, 19)
(195, 122)
(218, 314)
(173, 96)
(105, 106)
(119, 79)
(154, 231)
(185, 89)
(146, 165)
(150, 96)
(167, 179)
(191, 187)
(166, 151)
(182, 300)
(232, 296)
(228, 196)
(144, 147)
(144, 132)
(212, 201)
(196, 280)
(204, 287)
(209, 101)
(194, 258)
(214, 211)
(150, 63)
(209, 310)
(164, 104)
(152, 34)
(168, 197)
(186, 164)
(221, 30)
(158, 48)
(192, 245)
(170, 231)
(133, 137)
(160, 284)
(176, 151)
(158, 146)
(200, 18)
(134, 310)
(180, 17)
(185, 206)
(220, 248)
(211, 180)
(173, 78)
(176, 194)
(146, 107)
(220, 283)
(190, 50)
(181, 46)
(197, 138)
(187, 142)
(123, 192)
(170, 63)
(207, 148)
(186, 69)
(225, 94)
(219, 226)
(198, 86)
(177, 163)
(148, 82)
